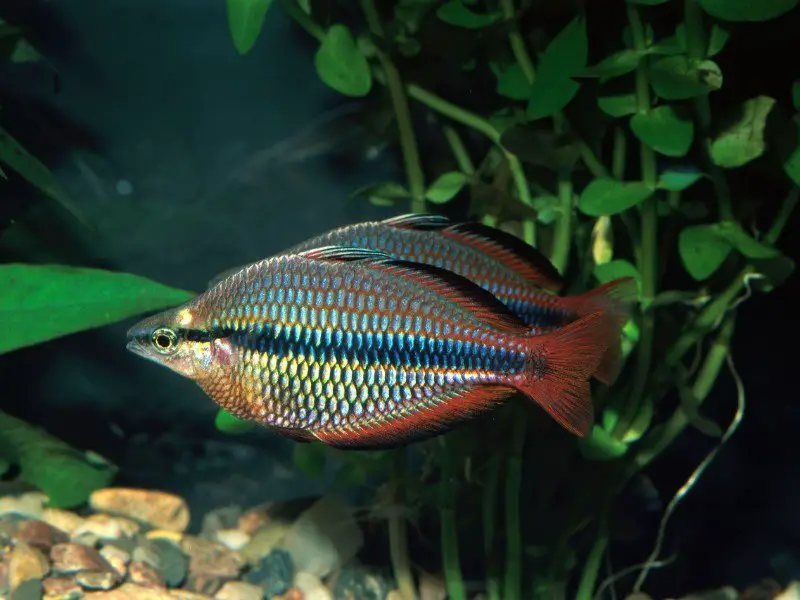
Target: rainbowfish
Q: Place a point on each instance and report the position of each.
(357, 349)
(505, 266)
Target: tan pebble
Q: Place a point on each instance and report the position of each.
(159, 534)
(107, 527)
(40, 534)
(394, 595)
(264, 541)
(145, 575)
(232, 538)
(432, 587)
(3, 574)
(30, 504)
(97, 580)
(311, 587)
(130, 591)
(60, 586)
(26, 563)
(72, 558)
(187, 595)
(253, 520)
(157, 509)
(239, 590)
(62, 519)
(203, 584)
(290, 594)
(211, 558)
(117, 558)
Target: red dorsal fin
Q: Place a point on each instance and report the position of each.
(459, 290)
(503, 247)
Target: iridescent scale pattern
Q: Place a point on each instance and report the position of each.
(324, 345)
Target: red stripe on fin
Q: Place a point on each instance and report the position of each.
(422, 421)
(559, 367)
(616, 300)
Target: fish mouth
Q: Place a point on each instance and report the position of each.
(135, 347)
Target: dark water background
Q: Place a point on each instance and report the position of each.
(154, 94)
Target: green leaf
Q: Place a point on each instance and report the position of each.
(618, 106)
(775, 271)
(309, 459)
(796, 94)
(341, 65)
(382, 194)
(702, 250)
(564, 57)
(675, 78)
(606, 196)
(455, 13)
(743, 141)
(617, 269)
(717, 39)
(746, 245)
(34, 171)
(512, 83)
(546, 208)
(44, 302)
(65, 475)
(600, 445)
(615, 65)
(676, 180)
(664, 131)
(446, 187)
(792, 164)
(641, 423)
(747, 10)
(227, 423)
(245, 19)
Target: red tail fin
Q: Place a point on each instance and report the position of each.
(560, 365)
(615, 300)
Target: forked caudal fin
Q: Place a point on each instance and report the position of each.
(615, 300)
(559, 368)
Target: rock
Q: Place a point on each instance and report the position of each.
(28, 590)
(311, 587)
(186, 595)
(358, 583)
(61, 587)
(26, 563)
(40, 534)
(253, 520)
(166, 558)
(9, 526)
(156, 509)
(64, 520)
(290, 594)
(211, 558)
(264, 541)
(130, 591)
(117, 558)
(232, 538)
(325, 537)
(145, 575)
(203, 584)
(221, 518)
(792, 592)
(107, 527)
(239, 590)
(30, 504)
(3, 578)
(162, 534)
(432, 587)
(394, 595)
(97, 580)
(274, 573)
(72, 558)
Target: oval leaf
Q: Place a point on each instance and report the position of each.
(446, 187)
(744, 140)
(44, 302)
(618, 106)
(245, 19)
(382, 194)
(455, 13)
(606, 196)
(617, 269)
(341, 65)
(512, 83)
(743, 242)
(664, 131)
(600, 445)
(747, 10)
(674, 78)
(677, 180)
(615, 65)
(702, 250)
(227, 423)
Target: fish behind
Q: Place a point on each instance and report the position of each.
(505, 266)
(358, 349)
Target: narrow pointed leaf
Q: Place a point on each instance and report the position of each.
(245, 20)
(341, 65)
(747, 10)
(606, 196)
(446, 187)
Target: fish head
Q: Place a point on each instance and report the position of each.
(168, 339)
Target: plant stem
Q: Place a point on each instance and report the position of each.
(784, 212)
(517, 43)
(452, 570)
(459, 150)
(490, 490)
(398, 541)
(405, 125)
(563, 232)
(648, 256)
(512, 589)
(594, 561)
(304, 20)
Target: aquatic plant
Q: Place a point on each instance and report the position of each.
(589, 149)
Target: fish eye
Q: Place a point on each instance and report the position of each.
(165, 340)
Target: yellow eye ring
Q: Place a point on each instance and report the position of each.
(165, 340)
